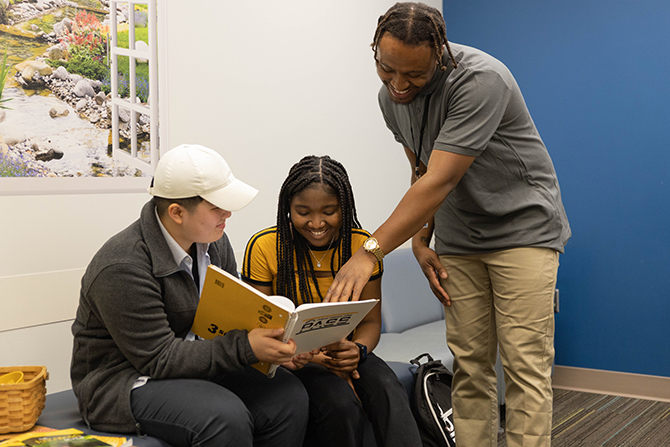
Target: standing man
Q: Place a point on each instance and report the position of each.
(483, 180)
(136, 365)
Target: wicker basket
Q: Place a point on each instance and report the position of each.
(22, 403)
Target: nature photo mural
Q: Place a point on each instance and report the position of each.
(55, 88)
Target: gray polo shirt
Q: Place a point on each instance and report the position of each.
(509, 197)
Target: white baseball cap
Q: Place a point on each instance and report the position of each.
(191, 170)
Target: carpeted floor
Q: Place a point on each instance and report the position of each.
(591, 420)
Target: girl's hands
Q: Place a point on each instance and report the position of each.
(342, 357)
(300, 360)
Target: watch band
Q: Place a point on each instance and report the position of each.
(372, 246)
(362, 350)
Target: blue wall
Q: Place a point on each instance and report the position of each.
(596, 77)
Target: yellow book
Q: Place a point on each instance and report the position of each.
(70, 437)
(227, 303)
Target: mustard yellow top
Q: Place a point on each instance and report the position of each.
(260, 261)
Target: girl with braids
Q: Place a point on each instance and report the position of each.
(484, 185)
(317, 231)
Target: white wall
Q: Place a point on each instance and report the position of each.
(268, 82)
(45, 244)
(264, 83)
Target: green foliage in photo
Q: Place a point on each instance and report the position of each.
(4, 70)
(79, 63)
(141, 69)
(94, 4)
(123, 37)
(86, 47)
(4, 15)
(12, 167)
(87, 56)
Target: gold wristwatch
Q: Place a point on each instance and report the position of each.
(372, 246)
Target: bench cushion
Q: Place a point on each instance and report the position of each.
(405, 346)
(407, 300)
(60, 411)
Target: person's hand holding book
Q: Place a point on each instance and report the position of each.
(268, 347)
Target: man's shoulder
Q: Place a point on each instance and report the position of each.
(125, 250)
(132, 244)
(474, 60)
(466, 50)
(123, 245)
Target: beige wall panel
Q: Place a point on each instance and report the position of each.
(37, 299)
(49, 345)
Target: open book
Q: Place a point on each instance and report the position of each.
(227, 303)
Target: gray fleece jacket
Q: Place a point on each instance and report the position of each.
(135, 309)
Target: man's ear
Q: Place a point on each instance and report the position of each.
(176, 213)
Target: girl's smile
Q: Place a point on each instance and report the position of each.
(316, 215)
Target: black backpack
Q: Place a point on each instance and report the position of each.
(431, 403)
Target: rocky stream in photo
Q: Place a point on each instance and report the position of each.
(55, 123)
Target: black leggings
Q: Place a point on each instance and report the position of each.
(337, 415)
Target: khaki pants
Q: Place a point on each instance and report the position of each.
(502, 299)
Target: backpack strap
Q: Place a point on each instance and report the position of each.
(417, 361)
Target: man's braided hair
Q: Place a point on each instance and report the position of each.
(413, 24)
(310, 172)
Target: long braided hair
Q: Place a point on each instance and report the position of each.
(308, 172)
(414, 24)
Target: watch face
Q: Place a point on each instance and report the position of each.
(370, 244)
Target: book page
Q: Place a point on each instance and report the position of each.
(320, 324)
(282, 302)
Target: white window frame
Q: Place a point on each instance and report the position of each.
(131, 103)
(156, 56)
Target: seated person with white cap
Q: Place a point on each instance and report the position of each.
(136, 367)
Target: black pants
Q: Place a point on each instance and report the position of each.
(337, 416)
(238, 409)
